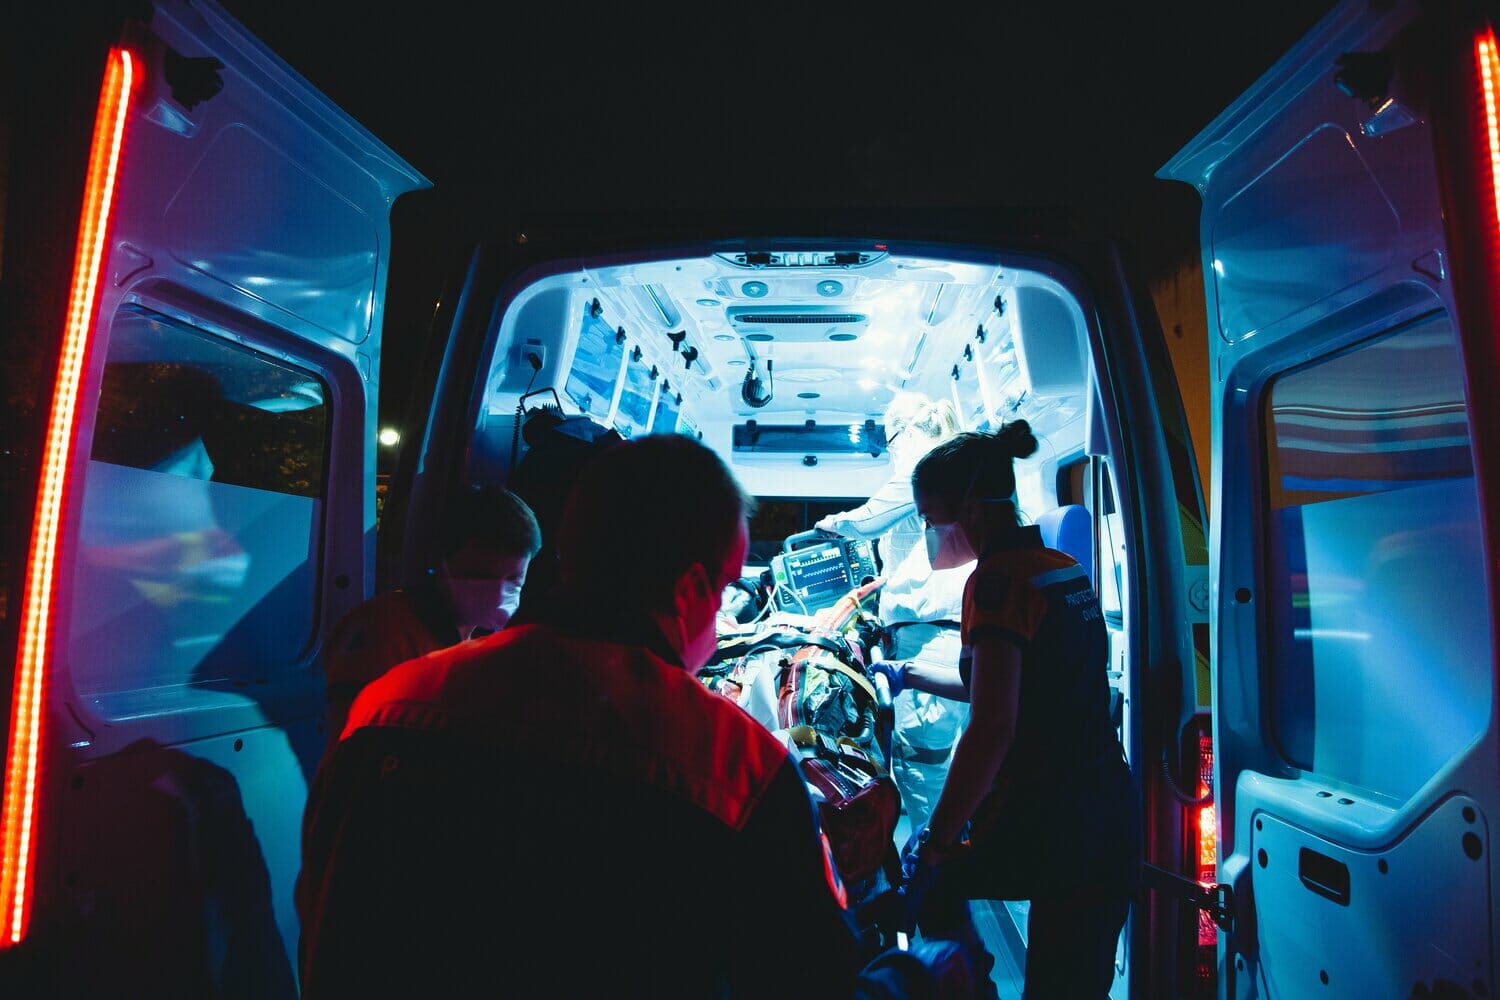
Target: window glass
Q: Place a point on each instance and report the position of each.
(201, 513)
(778, 518)
(596, 365)
(1111, 548)
(1379, 630)
(1072, 482)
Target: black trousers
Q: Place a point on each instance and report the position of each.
(1077, 861)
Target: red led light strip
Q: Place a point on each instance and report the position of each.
(23, 760)
(1488, 57)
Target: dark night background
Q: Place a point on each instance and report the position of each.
(677, 109)
(687, 108)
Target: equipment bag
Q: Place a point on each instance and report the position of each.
(858, 803)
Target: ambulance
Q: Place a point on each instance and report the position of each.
(1304, 675)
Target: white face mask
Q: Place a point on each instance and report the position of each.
(510, 600)
(484, 604)
(948, 547)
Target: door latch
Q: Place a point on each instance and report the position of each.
(1216, 899)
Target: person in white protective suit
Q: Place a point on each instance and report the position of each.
(920, 606)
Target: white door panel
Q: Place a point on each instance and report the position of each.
(1356, 764)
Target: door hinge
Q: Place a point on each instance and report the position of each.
(1216, 899)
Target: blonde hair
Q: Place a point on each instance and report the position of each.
(935, 421)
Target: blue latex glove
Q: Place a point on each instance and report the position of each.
(895, 673)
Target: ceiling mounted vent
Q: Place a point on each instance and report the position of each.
(800, 324)
(803, 258)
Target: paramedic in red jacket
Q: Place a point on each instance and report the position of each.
(562, 808)
(486, 542)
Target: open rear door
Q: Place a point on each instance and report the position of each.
(204, 511)
(1350, 241)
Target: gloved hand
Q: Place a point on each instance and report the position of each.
(825, 525)
(919, 871)
(895, 674)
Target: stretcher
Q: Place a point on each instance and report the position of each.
(807, 678)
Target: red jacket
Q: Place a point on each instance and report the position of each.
(543, 806)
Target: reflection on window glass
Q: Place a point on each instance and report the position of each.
(200, 512)
(1378, 616)
(596, 365)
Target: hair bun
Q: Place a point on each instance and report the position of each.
(1016, 439)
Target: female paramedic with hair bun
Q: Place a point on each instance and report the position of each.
(1038, 776)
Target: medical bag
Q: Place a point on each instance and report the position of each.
(858, 803)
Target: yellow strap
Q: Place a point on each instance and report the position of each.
(831, 662)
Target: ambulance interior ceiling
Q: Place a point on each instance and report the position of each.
(666, 346)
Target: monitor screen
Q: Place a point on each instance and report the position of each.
(818, 575)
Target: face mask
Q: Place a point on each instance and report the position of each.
(947, 546)
(482, 603)
(510, 598)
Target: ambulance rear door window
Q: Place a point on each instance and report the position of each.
(201, 515)
(1379, 615)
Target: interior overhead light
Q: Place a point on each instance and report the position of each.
(754, 289)
(911, 364)
(724, 336)
(708, 302)
(808, 395)
(829, 288)
(807, 375)
(760, 337)
(932, 310)
(664, 305)
(843, 337)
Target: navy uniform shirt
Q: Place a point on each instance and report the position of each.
(1063, 788)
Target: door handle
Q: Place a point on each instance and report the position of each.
(1325, 876)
